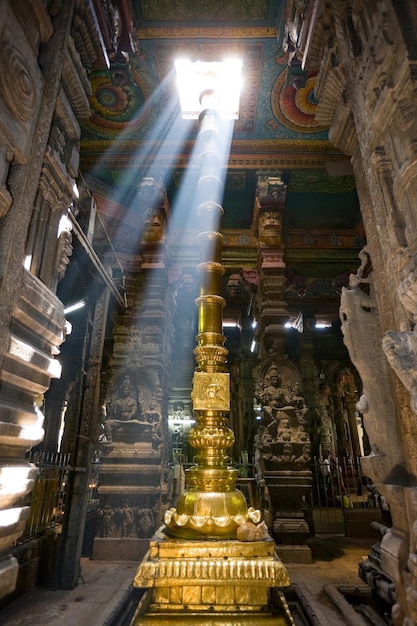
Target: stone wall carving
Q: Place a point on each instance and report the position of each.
(126, 522)
(284, 442)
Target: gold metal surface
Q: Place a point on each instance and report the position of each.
(211, 391)
(191, 618)
(212, 582)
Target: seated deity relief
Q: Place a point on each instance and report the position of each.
(283, 442)
(128, 420)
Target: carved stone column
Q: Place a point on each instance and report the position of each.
(33, 49)
(134, 446)
(283, 445)
(268, 215)
(366, 87)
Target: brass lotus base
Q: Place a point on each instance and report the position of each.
(209, 515)
(210, 582)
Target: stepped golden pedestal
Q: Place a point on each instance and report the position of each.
(219, 582)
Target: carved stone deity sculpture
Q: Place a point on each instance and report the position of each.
(131, 484)
(125, 407)
(272, 395)
(283, 456)
(126, 421)
(284, 437)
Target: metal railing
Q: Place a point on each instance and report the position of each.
(342, 484)
(339, 487)
(48, 498)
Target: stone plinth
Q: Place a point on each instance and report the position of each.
(289, 491)
(209, 582)
(129, 468)
(116, 549)
(129, 493)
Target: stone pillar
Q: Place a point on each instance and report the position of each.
(133, 463)
(326, 413)
(283, 445)
(372, 113)
(87, 432)
(35, 179)
(268, 216)
(349, 399)
(366, 86)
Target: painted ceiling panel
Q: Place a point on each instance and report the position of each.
(203, 10)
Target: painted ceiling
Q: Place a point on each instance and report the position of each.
(136, 131)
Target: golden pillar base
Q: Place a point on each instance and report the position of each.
(210, 582)
(209, 515)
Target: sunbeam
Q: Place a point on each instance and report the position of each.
(166, 137)
(202, 179)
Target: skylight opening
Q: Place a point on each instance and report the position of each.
(221, 79)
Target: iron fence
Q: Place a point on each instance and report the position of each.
(340, 488)
(48, 498)
(342, 484)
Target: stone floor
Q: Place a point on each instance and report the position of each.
(103, 585)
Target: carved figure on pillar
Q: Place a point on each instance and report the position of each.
(284, 419)
(270, 229)
(128, 519)
(154, 206)
(274, 395)
(124, 408)
(305, 458)
(64, 248)
(154, 225)
(283, 453)
(106, 516)
(145, 524)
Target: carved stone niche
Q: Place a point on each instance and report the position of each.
(131, 473)
(133, 413)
